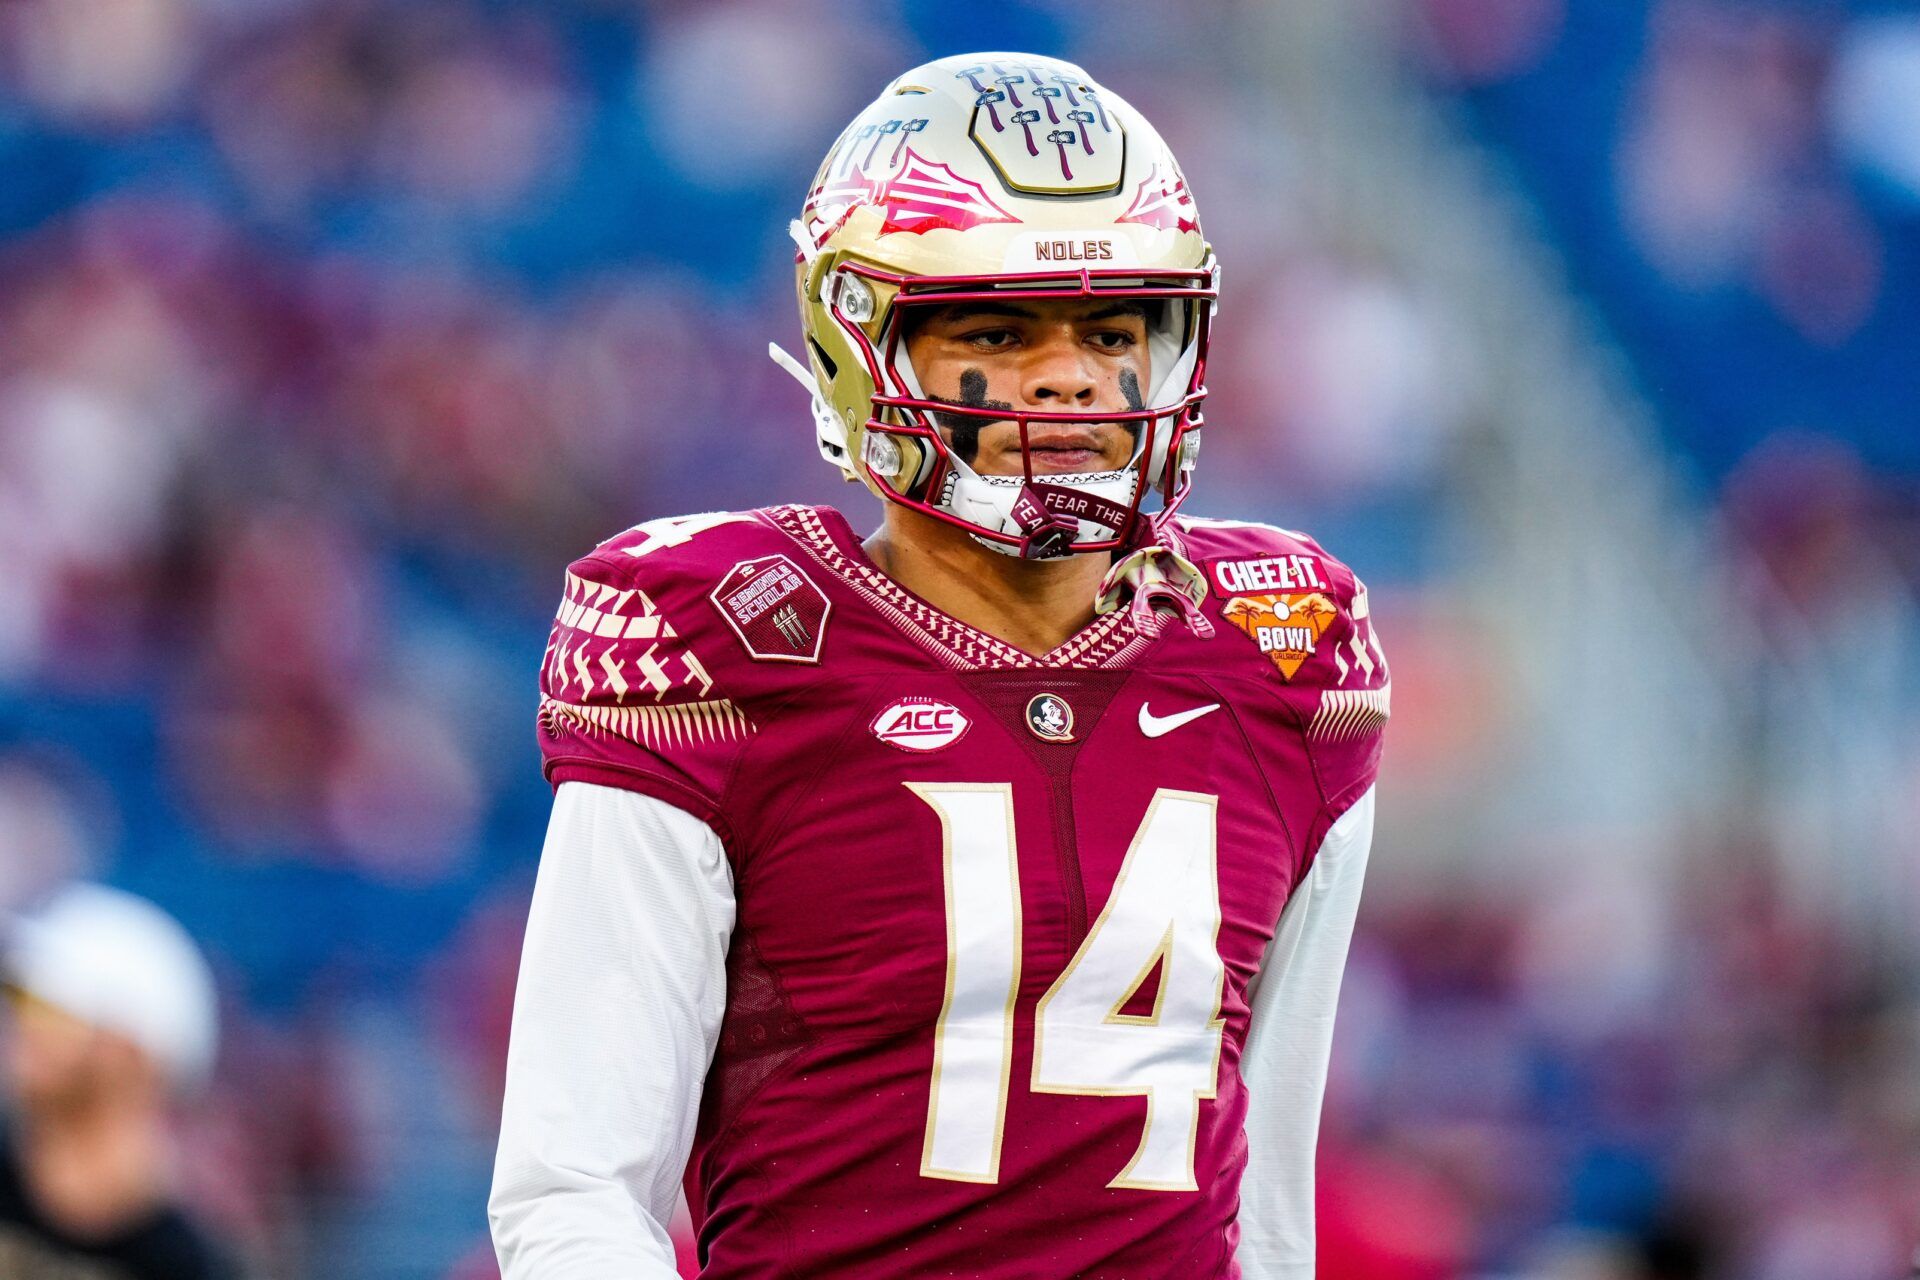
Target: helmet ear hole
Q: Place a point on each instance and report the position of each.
(827, 363)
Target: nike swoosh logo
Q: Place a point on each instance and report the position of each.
(1153, 726)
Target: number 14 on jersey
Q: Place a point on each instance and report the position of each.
(1163, 913)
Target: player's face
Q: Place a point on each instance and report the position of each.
(45, 1050)
(55, 1062)
(1053, 355)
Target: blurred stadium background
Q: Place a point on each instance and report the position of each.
(1588, 330)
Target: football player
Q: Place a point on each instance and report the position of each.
(969, 899)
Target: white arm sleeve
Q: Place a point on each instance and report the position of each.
(622, 986)
(1288, 1040)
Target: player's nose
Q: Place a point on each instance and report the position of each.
(1060, 374)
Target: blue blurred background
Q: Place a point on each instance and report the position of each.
(1587, 330)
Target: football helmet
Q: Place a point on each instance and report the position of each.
(987, 177)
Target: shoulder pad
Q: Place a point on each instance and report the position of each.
(1305, 610)
(690, 547)
(1241, 557)
(641, 684)
(654, 605)
(1308, 616)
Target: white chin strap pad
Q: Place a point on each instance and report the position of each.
(1006, 504)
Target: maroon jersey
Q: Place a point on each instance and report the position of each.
(997, 913)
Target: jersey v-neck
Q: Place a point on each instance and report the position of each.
(1110, 640)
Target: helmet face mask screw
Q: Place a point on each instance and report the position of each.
(856, 298)
(883, 454)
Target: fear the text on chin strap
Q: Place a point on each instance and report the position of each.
(1161, 584)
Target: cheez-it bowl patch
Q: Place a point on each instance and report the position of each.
(1286, 626)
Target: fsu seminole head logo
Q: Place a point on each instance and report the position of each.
(1287, 627)
(1050, 718)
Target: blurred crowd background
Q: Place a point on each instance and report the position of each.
(330, 330)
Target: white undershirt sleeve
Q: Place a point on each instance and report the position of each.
(621, 991)
(1289, 1037)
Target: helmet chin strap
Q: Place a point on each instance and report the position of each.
(1045, 533)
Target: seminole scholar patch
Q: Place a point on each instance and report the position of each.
(778, 612)
(1286, 626)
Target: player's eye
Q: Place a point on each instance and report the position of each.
(1112, 340)
(992, 339)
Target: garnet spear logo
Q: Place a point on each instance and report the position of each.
(917, 195)
(1163, 201)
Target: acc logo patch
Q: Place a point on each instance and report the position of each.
(777, 611)
(921, 724)
(1287, 626)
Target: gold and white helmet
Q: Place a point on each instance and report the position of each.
(970, 179)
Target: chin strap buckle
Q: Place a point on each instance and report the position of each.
(1045, 533)
(1162, 584)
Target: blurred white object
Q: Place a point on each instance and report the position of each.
(1875, 99)
(105, 60)
(120, 963)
